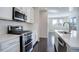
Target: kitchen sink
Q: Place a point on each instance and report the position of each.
(64, 32)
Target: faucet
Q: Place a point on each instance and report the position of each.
(68, 24)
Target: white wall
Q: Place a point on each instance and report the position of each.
(40, 24)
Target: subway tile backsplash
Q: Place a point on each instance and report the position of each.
(4, 24)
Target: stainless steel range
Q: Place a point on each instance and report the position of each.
(25, 37)
(26, 42)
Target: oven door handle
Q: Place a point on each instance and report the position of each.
(27, 44)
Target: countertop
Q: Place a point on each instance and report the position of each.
(5, 37)
(71, 39)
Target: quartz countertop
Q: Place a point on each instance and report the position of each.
(71, 39)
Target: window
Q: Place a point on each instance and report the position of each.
(73, 20)
(57, 22)
(61, 21)
(54, 21)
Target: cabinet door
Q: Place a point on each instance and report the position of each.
(7, 43)
(6, 13)
(12, 48)
(25, 10)
(30, 15)
(21, 10)
(12, 45)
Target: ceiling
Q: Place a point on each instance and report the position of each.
(61, 11)
(58, 11)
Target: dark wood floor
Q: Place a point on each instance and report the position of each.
(45, 45)
(41, 46)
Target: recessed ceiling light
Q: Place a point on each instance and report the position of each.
(70, 9)
(53, 11)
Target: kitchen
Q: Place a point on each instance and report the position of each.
(39, 29)
(19, 28)
(63, 29)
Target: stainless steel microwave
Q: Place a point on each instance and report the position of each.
(18, 15)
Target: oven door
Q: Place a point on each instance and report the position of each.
(26, 43)
(28, 47)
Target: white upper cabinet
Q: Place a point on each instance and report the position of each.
(25, 10)
(6, 13)
(30, 15)
(21, 9)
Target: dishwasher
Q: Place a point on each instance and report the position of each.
(61, 45)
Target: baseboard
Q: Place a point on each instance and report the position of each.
(43, 38)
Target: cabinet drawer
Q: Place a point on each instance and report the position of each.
(8, 43)
(13, 48)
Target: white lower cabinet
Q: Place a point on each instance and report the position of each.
(70, 49)
(12, 48)
(12, 45)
